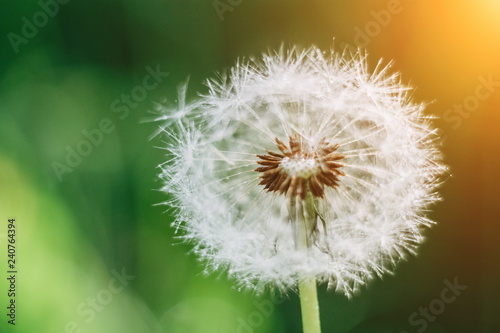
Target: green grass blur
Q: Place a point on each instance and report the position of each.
(79, 229)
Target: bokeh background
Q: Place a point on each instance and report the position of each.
(63, 73)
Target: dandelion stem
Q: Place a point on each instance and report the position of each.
(309, 305)
(307, 285)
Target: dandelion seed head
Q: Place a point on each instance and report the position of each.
(298, 126)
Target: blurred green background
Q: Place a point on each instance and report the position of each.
(94, 253)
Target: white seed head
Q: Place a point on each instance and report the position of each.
(299, 123)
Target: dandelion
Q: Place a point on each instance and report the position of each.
(302, 167)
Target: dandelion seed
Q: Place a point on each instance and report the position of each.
(302, 167)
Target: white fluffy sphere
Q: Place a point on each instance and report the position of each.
(371, 219)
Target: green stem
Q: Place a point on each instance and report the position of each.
(309, 305)
(307, 217)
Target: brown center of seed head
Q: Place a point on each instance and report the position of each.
(300, 167)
